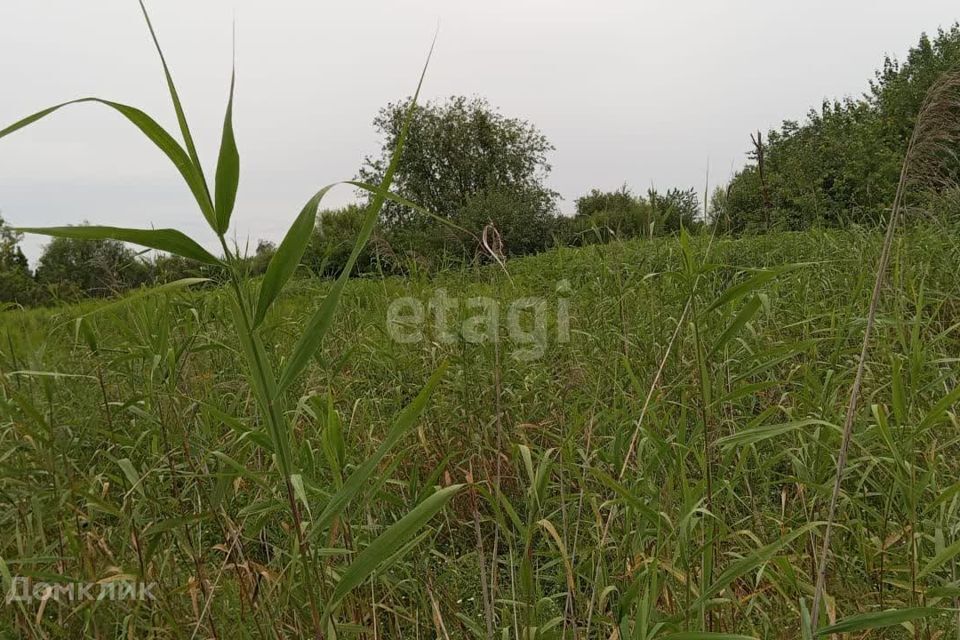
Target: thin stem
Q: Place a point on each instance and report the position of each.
(857, 383)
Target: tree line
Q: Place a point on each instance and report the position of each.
(841, 165)
(478, 179)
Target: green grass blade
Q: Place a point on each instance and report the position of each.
(206, 205)
(388, 542)
(878, 620)
(145, 292)
(750, 562)
(264, 388)
(228, 168)
(393, 197)
(358, 479)
(749, 437)
(169, 240)
(742, 318)
(319, 324)
(940, 409)
(737, 291)
(285, 261)
(940, 559)
(154, 132)
(423, 210)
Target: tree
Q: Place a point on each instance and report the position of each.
(621, 200)
(456, 150)
(605, 216)
(674, 210)
(520, 219)
(11, 256)
(841, 164)
(90, 267)
(16, 283)
(261, 259)
(333, 239)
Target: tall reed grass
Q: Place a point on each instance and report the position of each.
(692, 464)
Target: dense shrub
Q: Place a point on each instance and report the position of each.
(598, 201)
(18, 287)
(523, 223)
(605, 216)
(841, 164)
(94, 268)
(16, 283)
(333, 240)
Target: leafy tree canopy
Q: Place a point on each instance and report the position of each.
(456, 150)
(841, 164)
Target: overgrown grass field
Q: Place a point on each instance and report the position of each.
(666, 469)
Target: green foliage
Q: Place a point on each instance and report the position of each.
(841, 165)
(457, 150)
(17, 285)
(524, 225)
(11, 256)
(332, 241)
(88, 258)
(92, 268)
(543, 446)
(621, 200)
(606, 216)
(675, 210)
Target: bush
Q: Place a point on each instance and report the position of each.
(675, 210)
(17, 287)
(333, 239)
(621, 200)
(606, 216)
(524, 224)
(841, 164)
(95, 268)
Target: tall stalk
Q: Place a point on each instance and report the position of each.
(936, 131)
(270, 386)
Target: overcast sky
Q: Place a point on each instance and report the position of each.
(637, 91)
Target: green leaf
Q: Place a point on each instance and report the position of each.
(240, 469)
(83, 329)
(393, 197)
(296, 480)
(204, 197)
(312, 338)
(388, 542)
(737, 291)
(562, 548)
(878, 620)
(745, 315)
(358, 479)
(941, 558)
(169, 240)
(750, 562)
(228, 168)
(938, 410)
(133, 476)
(144, 293)
(157, 134)
(748, 437)
(285, 261)
(265, 389)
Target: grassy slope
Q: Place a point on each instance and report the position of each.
(177, 408)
